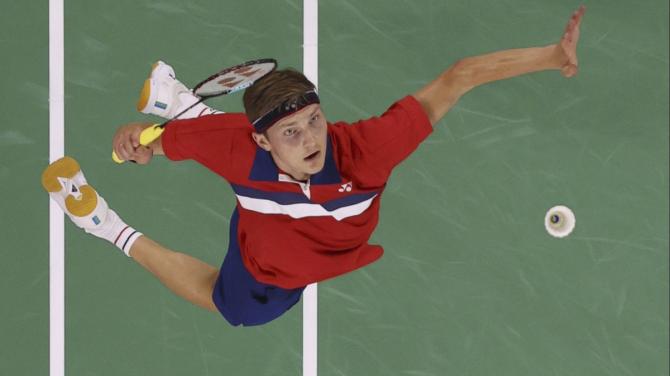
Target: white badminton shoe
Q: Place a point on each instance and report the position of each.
(67, 186)
(162, 94)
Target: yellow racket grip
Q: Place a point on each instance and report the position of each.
(116, 158)
(148, 135)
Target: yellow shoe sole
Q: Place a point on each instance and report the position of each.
(85, 204)
(144, 95)
(67, 167)
(153, 67)
(146, 90)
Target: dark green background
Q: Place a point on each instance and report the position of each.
(470, 284)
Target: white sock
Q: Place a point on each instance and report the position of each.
(116, 231)
(198, 110)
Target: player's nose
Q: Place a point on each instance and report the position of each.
(309, 141)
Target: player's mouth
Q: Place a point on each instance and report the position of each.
(313, 156)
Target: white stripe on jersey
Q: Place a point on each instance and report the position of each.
(303, 210)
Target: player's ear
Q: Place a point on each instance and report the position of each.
(261, 140)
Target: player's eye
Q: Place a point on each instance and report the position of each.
(289, 132)
(314, 118)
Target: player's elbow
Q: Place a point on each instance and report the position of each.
(438, 97)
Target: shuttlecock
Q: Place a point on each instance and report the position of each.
(559, 221)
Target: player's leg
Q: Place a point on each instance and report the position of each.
(186, 276)
(164, 95)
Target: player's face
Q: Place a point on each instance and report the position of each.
(298, 142)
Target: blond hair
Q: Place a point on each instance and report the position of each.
(274, 89)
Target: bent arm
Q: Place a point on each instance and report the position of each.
(156, 146)
(126, 144)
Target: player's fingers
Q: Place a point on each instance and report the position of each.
(579, 14)
(582, 9)
(121, 153)
(127, 150)
(135, 138)
(116, 143)
(143, 155)
(564, 72)
(569, 70)
(573, 70)
(573, 35)
(117, 152)
(571, 32)
(117, 146)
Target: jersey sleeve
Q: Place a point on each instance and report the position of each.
(378, 144)
(213, 140)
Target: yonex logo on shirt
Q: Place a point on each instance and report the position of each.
(345, 187)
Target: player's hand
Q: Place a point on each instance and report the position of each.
(126, 143)
(567, 47)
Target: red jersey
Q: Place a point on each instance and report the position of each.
(293, 233)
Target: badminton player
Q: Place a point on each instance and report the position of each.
(308, 191)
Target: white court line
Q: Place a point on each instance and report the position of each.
(310, 67)
(56, 217)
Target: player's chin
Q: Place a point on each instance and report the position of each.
(314, 162)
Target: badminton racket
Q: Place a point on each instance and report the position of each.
(227, 81)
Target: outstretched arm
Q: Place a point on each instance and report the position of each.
(441, 94)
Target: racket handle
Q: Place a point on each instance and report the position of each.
(147, 136)
(150, 134)
(116, 158)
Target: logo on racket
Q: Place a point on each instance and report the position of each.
(243, 86)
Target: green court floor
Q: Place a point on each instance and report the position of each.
(470, 283)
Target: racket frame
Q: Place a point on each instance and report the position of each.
(152, 133)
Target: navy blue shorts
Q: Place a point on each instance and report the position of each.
(240, 298)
